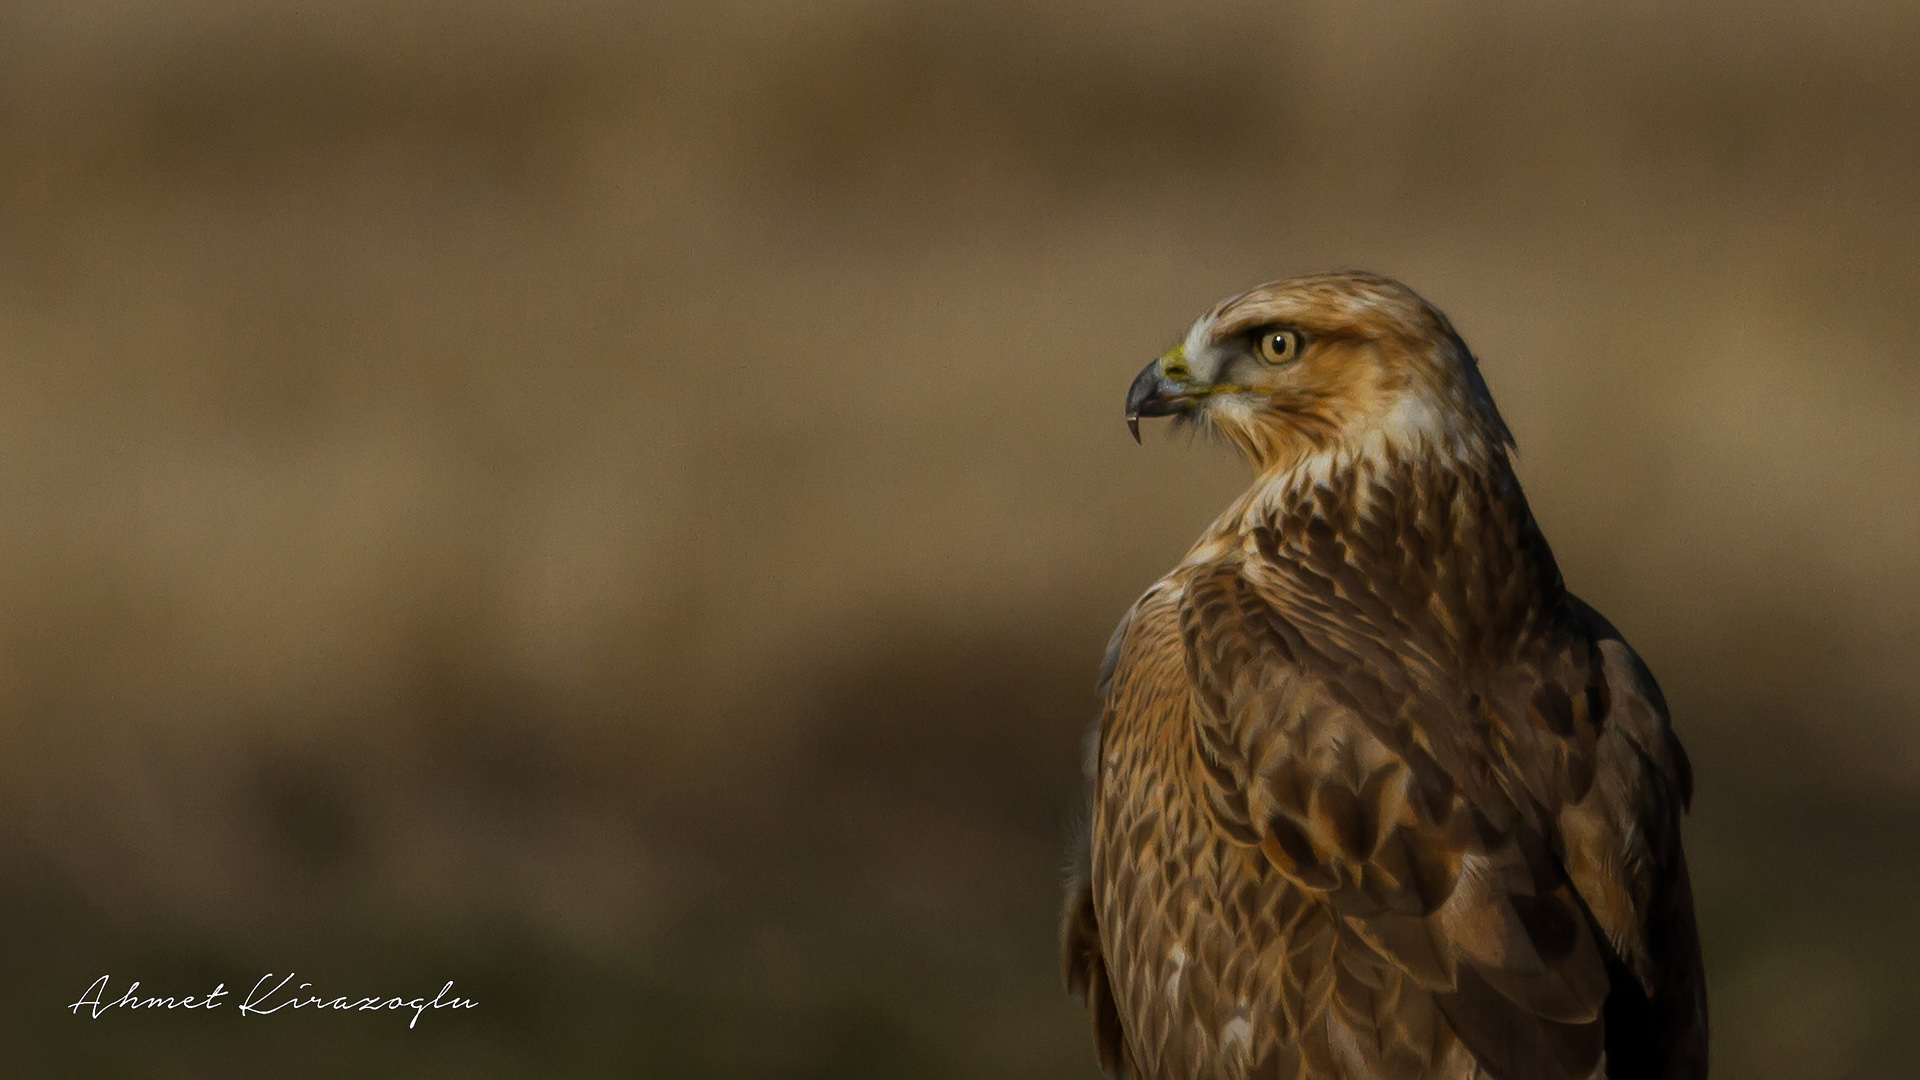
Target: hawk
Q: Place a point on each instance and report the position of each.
(1373, 795)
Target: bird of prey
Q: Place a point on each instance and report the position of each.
(1374, 795)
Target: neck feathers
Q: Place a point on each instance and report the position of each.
(1444, 523)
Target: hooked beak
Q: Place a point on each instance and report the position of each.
(1153, 395)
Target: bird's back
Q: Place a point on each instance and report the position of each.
(1218, 966)
(1326, 843)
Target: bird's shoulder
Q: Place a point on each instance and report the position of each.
(1465, 775)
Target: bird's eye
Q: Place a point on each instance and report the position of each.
(1279, 346)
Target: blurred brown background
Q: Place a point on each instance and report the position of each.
(619, 506)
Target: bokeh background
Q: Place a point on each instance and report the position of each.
(619, 505)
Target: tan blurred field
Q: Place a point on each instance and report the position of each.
(619, 506)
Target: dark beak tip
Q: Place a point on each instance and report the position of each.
(1147, 397)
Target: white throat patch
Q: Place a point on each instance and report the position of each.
(1411, 429)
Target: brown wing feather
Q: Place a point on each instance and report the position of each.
(1622, 851)
(1086, 971)
(1459, 895)
(1393, 809)
(1417, 743)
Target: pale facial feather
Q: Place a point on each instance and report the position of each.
(1381, 375)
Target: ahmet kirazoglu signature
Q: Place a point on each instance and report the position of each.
(265, 999)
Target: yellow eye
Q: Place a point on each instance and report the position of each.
(1279, 346)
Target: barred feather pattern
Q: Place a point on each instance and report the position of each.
(1375, 797)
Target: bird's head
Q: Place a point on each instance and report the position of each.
(1324, 363)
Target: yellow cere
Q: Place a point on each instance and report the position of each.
(1173, 363)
